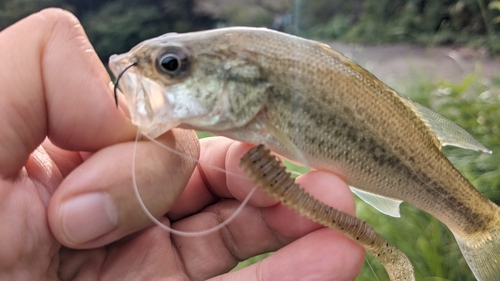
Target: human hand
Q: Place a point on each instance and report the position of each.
(74, 188)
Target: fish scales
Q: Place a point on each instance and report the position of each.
(311, 104)
(372, 125)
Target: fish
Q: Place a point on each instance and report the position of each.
(312, 105)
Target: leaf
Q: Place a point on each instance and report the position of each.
(495, 5)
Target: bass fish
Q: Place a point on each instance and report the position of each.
(311, 104)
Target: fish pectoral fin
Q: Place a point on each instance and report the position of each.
(268, 128)
(383, 204)
(447, 131)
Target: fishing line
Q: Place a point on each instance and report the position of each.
(167, 228)
(371, 268)
(193, 159)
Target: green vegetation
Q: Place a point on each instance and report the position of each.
(460, 22)
(119, 25)
(115, 26)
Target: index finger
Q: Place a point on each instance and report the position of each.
(53, 84)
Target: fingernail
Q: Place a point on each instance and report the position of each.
(88, 216)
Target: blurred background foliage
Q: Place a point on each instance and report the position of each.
(115, 26)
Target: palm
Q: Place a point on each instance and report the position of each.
(29, 243)
(140, 257)
(150, 253)
(27, 240)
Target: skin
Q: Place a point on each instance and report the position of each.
(62, 139)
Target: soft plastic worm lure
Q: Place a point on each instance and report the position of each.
(269, 173)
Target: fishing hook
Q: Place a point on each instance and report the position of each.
(118, 79)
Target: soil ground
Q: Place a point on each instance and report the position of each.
(399, 64)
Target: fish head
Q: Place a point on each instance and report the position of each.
(201, 80)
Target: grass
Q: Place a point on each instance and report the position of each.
(475, 105)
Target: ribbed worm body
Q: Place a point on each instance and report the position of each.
(268, 172)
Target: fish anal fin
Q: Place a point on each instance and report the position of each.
(383, 204)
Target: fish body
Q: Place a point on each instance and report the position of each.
(311, 104)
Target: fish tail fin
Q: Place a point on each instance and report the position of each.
(482, 252)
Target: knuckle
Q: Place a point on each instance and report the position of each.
(57, 16)
(60, 23)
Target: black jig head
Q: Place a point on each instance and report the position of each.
(118, 79)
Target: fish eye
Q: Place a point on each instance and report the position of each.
(173, 62)
(170, 63)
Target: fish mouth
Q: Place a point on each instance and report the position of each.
(149, 108)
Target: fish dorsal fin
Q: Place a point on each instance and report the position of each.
(347, 61)
(383, 204)
(446, 131)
